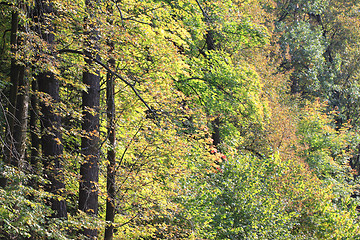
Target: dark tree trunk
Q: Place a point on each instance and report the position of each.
(51, 138)
(13, 151)
(216, 131)
(14, 70)
(111, 129)
(21, 116)
(111, 173)
(89, 169)
(210, 44)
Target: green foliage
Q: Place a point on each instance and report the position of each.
(327, 150)
(226, 88)
(23, 212)
(280, 171)
(237, 203)
(254, 198)
(303, 47)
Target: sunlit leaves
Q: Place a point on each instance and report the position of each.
(281, 170)
(327, 150)
(264, 198)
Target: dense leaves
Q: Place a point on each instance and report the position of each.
(275, 200)
(228, 120)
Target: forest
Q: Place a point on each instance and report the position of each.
(179, 119)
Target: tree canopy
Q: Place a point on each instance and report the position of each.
(187, 119)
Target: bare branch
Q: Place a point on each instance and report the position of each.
(202, 10)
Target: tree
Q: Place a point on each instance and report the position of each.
(18, 101)
(111, 166)
(175, 119)
(320, 50)
(89, 169)
(51, 139)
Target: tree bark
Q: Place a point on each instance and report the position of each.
(216, 131)
(21, 116)
(14, 72)
(51, 141)
(51, 138)
(111, 173)
(89, 169)
(34, 131)
(210, 44)
(17, 107)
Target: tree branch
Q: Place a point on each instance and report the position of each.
(98, 61)
(203, 11)
(7, 4)
(215, 84)
(253, 151)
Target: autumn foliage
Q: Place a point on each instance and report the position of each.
(162, 119)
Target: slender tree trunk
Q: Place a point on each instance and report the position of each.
(51, 138)
(111, 155)
(111, 173)
(34, 131)
(210, 44)
(89, 169)
(21, 116)
(14, 72)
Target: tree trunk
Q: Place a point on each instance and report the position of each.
(34, 131)
(21, 116)
(216, 131)
(14, 71)
(89, 169)
(16, 106)
(111, 173)
(51, 139)
(210, 44)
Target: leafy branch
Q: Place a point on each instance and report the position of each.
(98, 61)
